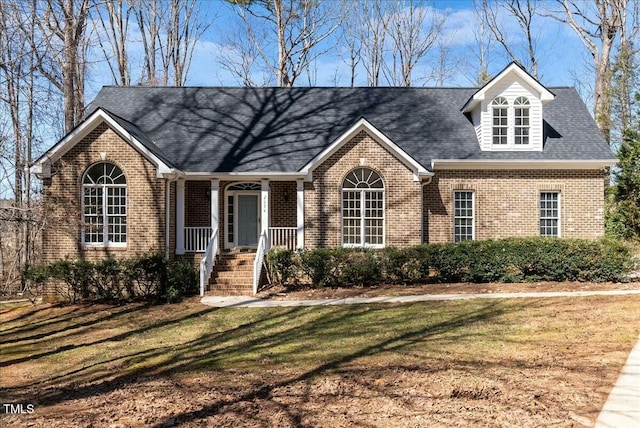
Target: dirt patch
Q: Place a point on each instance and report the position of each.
(304, 292)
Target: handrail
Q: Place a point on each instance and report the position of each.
(263, 246)
(208, 260)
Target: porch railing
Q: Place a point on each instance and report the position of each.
(261, 251)
(283, 237)
(196, 239)
(209, 259)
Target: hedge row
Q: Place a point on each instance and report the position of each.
(149, 278)
(508, 260)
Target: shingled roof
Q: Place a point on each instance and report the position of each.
(200, 129)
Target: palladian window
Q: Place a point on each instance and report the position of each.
(363, 209)
(104, 205)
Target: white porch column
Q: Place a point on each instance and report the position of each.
(264, 197)
(300, 214)
(180, 216)
(215, 191)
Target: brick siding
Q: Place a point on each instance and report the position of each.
(507, 202)
(63, 200)
(323, 195)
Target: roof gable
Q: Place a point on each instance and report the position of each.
(127, 131)
(363, 125)
(513, 72)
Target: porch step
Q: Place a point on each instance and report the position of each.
(232, 274)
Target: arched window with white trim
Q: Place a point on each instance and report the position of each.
(363, 209)
(521, 116)
(500, 108)
(104, 205)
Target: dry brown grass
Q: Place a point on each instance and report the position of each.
(518, 362)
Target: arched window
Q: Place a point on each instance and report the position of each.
(363, 209)
(104, 203)
(521, 120)
(499, 107)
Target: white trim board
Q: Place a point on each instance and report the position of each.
(449, 164)
(363, 125)
(42, 166)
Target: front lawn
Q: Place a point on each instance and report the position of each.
(517, 362)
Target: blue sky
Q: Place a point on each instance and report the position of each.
(562, 57)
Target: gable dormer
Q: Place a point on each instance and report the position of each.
(507, 111)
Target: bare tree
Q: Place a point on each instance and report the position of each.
(481, 51)
(296, 30)
(19, 97)
(351, 37)
(373, 33)
(597, 23)
(61, 48)
(414, 30)
(169, 31)
(114, 17)
(523, 11)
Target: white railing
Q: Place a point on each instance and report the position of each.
(209, 259)
(283, 237)
(261, 251)
(196, 239)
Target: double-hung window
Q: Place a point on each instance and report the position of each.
(104, 205)
(363, 209)
(550, 214)
(500, 109)
(521, 126)
(463, 216)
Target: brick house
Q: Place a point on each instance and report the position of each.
(219, 175)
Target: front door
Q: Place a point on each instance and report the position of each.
(248, 220)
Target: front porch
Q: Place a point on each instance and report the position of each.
(218, 218)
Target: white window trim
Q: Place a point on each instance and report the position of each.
(234, 193)
(559, 212)
(511, 125)
(526, 107)
(363, 207)
(473, 217)
(363, 218)
(105, 224)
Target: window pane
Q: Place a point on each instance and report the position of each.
(549, 214)
(463, 216)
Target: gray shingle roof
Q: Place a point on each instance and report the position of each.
(281, 129)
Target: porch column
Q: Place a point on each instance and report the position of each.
(180, 217)
(215, 191)
(300, 214)
(264, 197)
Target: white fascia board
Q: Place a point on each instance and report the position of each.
(364, 125)
(545, 94)
(82, 130)
(449, 164)
(272, 176)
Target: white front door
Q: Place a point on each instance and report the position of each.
(248, 220)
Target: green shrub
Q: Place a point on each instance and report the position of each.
(504, 260)
(145, 276)
(182, 281)
(319, 265)
(281, 266)
(357, 268)
(76, 277)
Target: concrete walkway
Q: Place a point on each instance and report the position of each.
(254, 302)
(622, 408)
